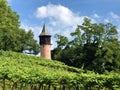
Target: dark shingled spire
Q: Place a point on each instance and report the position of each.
(44, 31)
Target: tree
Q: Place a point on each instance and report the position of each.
(27, 42)
(94, 47)
(62, 42)
(12, 37)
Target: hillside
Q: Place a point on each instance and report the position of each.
(24, 72)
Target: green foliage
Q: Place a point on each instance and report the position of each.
(24, 72)
(93, 47)
(12, 37)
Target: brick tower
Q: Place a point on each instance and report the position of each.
(45, 43)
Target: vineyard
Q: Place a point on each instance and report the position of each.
(24, 72)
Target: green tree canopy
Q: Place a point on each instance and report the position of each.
(12, 37)
(94, 47)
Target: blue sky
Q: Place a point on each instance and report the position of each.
(62, 16)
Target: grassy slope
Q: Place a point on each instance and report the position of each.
(21, 68)
(22, 60)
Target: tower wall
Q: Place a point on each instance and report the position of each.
(45, 51)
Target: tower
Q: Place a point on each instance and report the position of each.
(45, 43)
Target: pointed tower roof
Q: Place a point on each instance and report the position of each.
(44, 31)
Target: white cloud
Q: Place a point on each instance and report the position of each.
(96, 15)
(106, 20)
(114, 16)
(60, 14)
